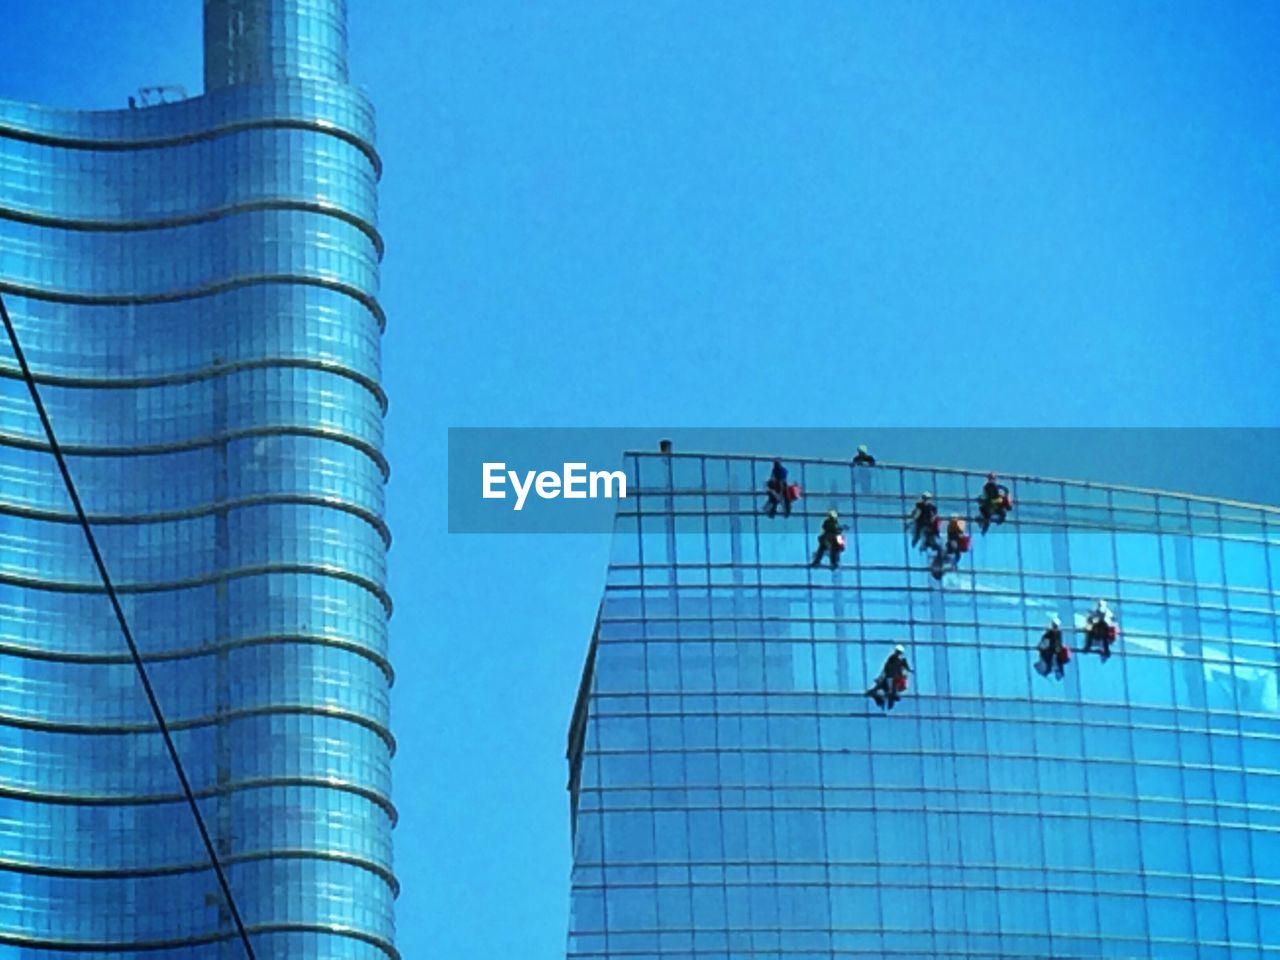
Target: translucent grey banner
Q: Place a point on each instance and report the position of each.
(569, 480)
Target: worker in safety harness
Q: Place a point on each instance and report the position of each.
(830, 540)
(1054, 653)
(892, 682)
(939, 565)
(924, 523)
(776, 490)
(994, 503)
(1100, 628)
(957, 538)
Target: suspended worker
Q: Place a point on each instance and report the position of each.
(776, 489)
(1054, 653)
(862, 458)
(892, 682)
(957, 538)
(1100, 628)
(924, 521)
(994, 503)
(830, 541)
(939, 565)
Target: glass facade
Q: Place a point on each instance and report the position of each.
(195, 286)
(736, 795)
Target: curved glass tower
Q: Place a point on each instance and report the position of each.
(195, 285)
(735, 795)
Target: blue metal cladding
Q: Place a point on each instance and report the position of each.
(195, 285)
(735, 795)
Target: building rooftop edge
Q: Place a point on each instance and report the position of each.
(966, 471)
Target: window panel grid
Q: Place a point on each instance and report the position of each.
(1131, 810)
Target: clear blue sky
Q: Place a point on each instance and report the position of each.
(717, 214)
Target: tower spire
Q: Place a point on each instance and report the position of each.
(258, 41)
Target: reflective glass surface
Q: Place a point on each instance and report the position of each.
(735, 793)
(194, 285)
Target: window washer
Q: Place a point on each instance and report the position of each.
(924, 521)
(939, 565)
(862, 458)
(777, 490)
(830, 541)
(1054, 653)
(994, 503)
(957, 539)
(892, 682)
(1100, 627)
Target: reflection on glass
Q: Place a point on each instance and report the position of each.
(995, 813)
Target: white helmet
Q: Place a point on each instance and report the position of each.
(899, 649)
(1102, 606)
(862, 448)
(1054, 621)
(833, 515)
(926, 495)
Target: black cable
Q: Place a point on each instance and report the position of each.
(124, 629)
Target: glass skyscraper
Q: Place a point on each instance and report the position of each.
(195, 285)
(736, 795)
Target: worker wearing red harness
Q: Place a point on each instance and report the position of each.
(957, 537)
(994, 504)
(924, 521)
(1054, 653)
(830, 541)
(892, 682)
(779, 492)
(1100, 628)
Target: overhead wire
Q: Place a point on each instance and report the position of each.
(123, 621)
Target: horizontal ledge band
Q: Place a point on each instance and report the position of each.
(203, 510)
(151, 799)
(221, 576)
(167, 870)
(211, 133)
(193, 723)
(192, 653)
(199, 443)
(368, 301)
(214, 370)
(86, 946)
(88, 225)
